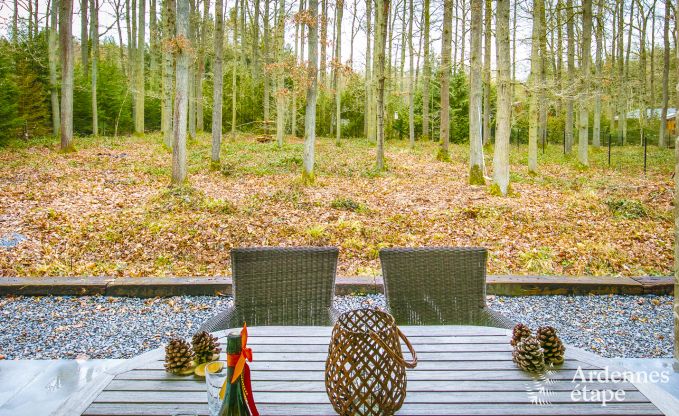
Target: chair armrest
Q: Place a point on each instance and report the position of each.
(221, 321)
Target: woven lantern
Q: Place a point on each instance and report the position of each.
(365, 373)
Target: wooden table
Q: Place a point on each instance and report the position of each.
(462, 370)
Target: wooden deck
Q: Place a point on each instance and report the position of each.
(461, 371)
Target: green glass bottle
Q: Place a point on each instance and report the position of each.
(234, 403)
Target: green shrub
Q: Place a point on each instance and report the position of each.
(627, 208)
(347, 204)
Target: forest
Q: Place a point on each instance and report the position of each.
(542, 129)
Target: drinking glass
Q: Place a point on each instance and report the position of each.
(214, 381)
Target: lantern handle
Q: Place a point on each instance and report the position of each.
(396, 356)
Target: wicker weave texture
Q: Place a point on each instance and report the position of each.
(365, 372)
(438, 286)
(280, 286)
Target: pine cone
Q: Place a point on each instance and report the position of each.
(551, 344)
(520, 331)
(179, 357)
(528, 355)
(206, 347)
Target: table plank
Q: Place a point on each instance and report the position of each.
(591, 409)
(296, 397)
(273, 375)
(319, 385)
(461, 370)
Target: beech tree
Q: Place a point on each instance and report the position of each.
(139, 78)
(218, 86)
(66, 51)
(338, 70)
(183, 49)
(476, 98)
(426, 78)
(504, 99)
(585, 57)
(53, 57)
(311, 94)
(444, 73)
(94, 28)
(169, 10)
(534, 88)
(380, 45)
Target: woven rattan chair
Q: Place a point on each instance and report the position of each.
(438, 286)
(280, 286)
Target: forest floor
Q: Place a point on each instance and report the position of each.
(107, 209)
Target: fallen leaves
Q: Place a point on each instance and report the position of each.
(107, 210)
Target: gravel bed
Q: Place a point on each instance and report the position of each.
(108, 327)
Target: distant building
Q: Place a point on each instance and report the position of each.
(656, 113)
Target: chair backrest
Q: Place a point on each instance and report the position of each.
(284, 286)
(435, 285)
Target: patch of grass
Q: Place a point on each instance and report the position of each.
(539, 260)
(627, 208)
(347, 204)
(218, 206)
(317, 234)
(185, 197)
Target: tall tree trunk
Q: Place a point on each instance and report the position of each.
(463, 33)
(15, 22)
(411, 75)
(194, 18)
(84, 41)
(426, 76)
(455, 37)
(293, 105)
(200, 73)
(535, 87)
(311, 94)
(66, 50)
(234, 66)
(476, 97)
(53, 56)
(585, 58)
(338, 70)
(139, 112)
(353, 35)
(94, 26)
(596, 130)
(380, 44)
(514, 20)
(369, 114)
(662, 135)
(180, 99)
(402, 61)
(642, 66)
(486, 72)
(255, 38)
(154, 47)
(218, 82)
(504, 99)
(651, 92)
(324, 39)
(570, 74)
(281, 91)
(620, 93)
(625, 86)
(267, 80)
(676, 118)
(169, 27)
(444, 73)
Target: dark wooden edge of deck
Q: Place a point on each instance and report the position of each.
(149, 287)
